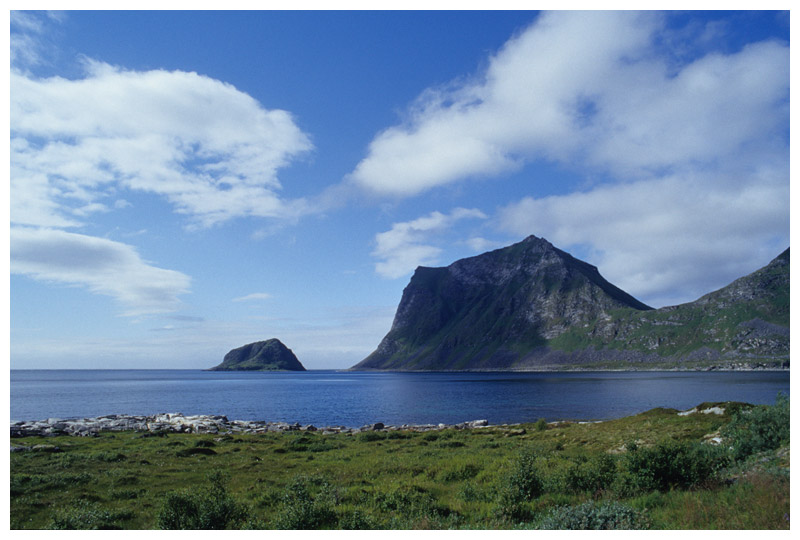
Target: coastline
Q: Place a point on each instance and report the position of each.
(162, 423)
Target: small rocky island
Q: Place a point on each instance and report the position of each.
(269, 355)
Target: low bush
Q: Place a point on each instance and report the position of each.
(462, 472)
(300, 510)
(357, 520)
(671, 464)
(758, 429)
(86, 515)
(210, 509)
(592, 475)
(195, 451)
(524, 483)
(370, 436)
(592, 516)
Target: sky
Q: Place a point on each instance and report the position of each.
(183, 183)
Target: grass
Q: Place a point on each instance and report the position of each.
(620, 473)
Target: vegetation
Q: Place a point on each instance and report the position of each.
(654, 470)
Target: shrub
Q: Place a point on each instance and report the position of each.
(210, 509)
(107, 457)
(187, 452)
(370, 436)
(465, 471)
(87, 516)
(540, 425)
(524, 484)
(410, 503)
(525, 480)
(357, 520)
(299, 510)
(674, 465)
(761, 428)
(591, 516)
(592, 475)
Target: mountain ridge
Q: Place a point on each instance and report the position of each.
(533, 306)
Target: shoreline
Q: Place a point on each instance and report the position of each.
(162, 423)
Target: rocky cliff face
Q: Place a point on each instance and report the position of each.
(270, 355)
(487, 312)
(533, 306)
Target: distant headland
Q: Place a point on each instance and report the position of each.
(269, 355)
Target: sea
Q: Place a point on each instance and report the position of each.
(354, 399)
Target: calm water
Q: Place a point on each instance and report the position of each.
(354, 399)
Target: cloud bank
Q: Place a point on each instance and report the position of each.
(686, 157)
(103, 266)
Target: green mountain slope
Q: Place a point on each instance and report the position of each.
(533, 306)
(744, 322)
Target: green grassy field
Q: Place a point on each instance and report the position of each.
(652, 470)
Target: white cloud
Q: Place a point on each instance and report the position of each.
(104, 266)
(405, 246)
(253, 296)
(211, 150)
(591, 90)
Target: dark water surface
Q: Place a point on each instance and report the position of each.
(328, 398)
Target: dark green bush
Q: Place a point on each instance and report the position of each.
(758, 429)
(369, 436)
(300, 510)
(209, 509)
(187, 452)
(524, 483)
(204, 443)
(591, 475)
(540, 425)
(591, 516)
(671, 464)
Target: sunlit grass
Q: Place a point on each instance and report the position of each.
(397, 480)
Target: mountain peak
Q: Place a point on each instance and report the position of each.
(484, 308)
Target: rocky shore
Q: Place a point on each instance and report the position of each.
(178, 423)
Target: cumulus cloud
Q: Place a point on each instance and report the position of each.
(406, 245)
(211, 150)
(76, 145)
(591, 90)
(103, 266)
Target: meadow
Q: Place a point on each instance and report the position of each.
(655, 470)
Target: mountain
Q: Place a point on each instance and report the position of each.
(270, 355)
(534, 306)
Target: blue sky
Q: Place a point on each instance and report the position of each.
(183, 183)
